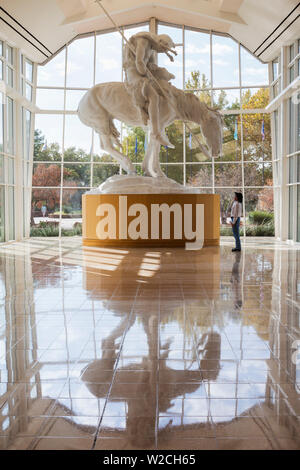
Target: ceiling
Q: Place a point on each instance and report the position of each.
(41, 28)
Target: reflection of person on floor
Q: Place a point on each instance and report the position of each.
(141, 394)
(236, 214)
(236, 281)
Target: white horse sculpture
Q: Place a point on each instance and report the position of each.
(108, 101)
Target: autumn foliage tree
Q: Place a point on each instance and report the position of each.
(49, 176)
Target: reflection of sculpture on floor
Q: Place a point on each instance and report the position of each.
(141, 407)
(147, 99)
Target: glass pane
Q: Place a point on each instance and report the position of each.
(71, 209)
(192, 149)
(197, 56)
(72, 99)
(228, 174)
(50, 99)
(174, 132)
(2, 219)
(174, 172)
(258, 174)
(77, 135)
(225, 62)
(9, 54)
(265, 200)
(27, 118)
(133, 144)
(1, 169)
(46, 174)
(231, 138)
(28, 92)
(298, 124)
(28, 70)
(53, 73)
(257, 137)
(226, 99)
(1, 121)
(77, 174)
(259, 200)
(199, 175)
(10, 126)
(292, 73)
(175, 67)
(26, 218)
(1, 70)
(11, 210)
(252, 70)
(226, 201)
(26, 181)
(48, 137)
(103, 171)
(11, 170)
(80, 63)
(298, 213)
(45, 201)
(291, 212)
(292, 52)
(9, 76)
(291, 126)
(255, 98)
(108, 57)
(275, 68)
(292, 169)
(275, 88)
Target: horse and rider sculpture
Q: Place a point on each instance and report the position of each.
(147, 99)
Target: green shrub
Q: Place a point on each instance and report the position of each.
(49, 229)
(264, 230)
(44, 231)
(261, 217)
(67, 209)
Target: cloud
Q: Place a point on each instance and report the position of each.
(253, 71)
(217, 48)
(221, 49)
(109, 64)
(221, 62)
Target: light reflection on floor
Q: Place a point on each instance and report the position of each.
(149, 349)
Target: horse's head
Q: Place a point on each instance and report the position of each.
(212, 130)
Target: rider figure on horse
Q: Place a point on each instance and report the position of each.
(139, 58)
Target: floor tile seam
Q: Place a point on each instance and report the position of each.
(115, 369)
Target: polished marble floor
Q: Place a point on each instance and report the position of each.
(149, 349)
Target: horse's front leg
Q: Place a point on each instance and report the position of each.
(123, 160)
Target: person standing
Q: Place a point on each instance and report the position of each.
(44, 210)
(236, 214)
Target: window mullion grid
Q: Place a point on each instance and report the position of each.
(212, 103)
(63, 145)
(93, 132)
(183, 124)
(242, 142)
